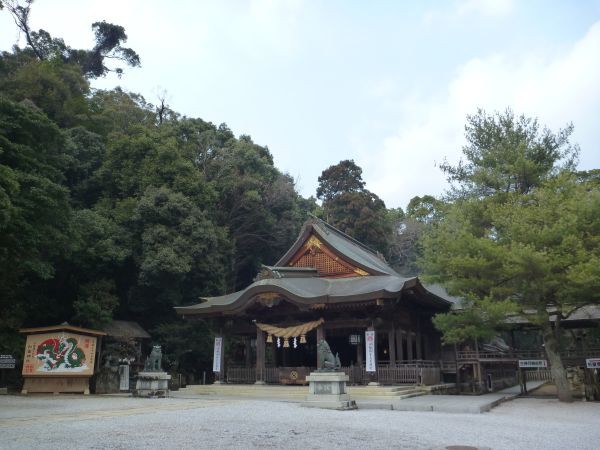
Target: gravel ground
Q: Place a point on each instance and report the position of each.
(75, 422)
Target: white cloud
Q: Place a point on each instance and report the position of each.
(559, 88)
(470, 9)
(484, 7)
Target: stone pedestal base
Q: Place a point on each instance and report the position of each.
(152, 384)
(56, 385)
(328, 390)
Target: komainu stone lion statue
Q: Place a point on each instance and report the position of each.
(154, 360)
(327, 362)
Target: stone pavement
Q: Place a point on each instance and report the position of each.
(114, 422)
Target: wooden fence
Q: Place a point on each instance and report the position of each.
(538, 375)
(244, 375)
(418, 372)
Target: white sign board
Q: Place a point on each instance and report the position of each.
(217, 354)
(124, 377)
(592, 363)
(533, 363)
(7, 362)
(370, 347)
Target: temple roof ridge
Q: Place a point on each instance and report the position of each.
(345, 246)
(347, 236)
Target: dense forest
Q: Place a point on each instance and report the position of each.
(114, 207)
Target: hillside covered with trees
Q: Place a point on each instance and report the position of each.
(113, 207)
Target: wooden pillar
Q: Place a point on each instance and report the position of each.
(392, 346)
(320, 337)
(98, 355)
(409, 345)
(360, 351)
(260, 356)
(419, 340)
(247, 351)
(426, 349)
(285, 356)
(399, 344)
(477, 368)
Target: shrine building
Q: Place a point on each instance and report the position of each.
(327, 286)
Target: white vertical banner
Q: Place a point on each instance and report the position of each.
(370, 350)
(217, 354)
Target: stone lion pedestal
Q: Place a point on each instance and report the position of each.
(328, 390)
(152, 384)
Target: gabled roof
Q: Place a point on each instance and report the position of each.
(343, 245)
(125, 329)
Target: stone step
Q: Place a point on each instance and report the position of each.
(298, 391)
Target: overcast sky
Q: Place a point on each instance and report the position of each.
(386, 83)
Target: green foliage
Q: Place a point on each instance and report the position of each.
(344, 177)
(540, 250)
(109, 38)
(95, 304)
(350, 207)
(424, 209)
(55, 88)
(507, 154)
(187, 346)
(522, 230)
(117, 111)
(35, 205)
(481, 320)
(107, 211)
(361, 215)
(92, 63)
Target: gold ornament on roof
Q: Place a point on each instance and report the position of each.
(313, 242)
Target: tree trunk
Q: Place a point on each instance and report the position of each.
(559, 375)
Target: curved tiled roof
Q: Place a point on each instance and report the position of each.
(307, 291)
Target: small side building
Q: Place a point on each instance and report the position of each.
(121, 356)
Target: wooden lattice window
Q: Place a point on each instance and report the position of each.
(324, 263)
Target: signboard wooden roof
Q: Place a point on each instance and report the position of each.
(63, 327)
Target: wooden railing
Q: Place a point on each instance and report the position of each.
(538, 375)
(448, 366)
(416, 372)
(244, 375)
(525, 354)
(402, 373)
(473, 355)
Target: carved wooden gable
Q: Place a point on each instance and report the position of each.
(316, 254)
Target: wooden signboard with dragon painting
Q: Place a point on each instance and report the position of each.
(59, 359)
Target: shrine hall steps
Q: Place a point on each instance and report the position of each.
(293, 393)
